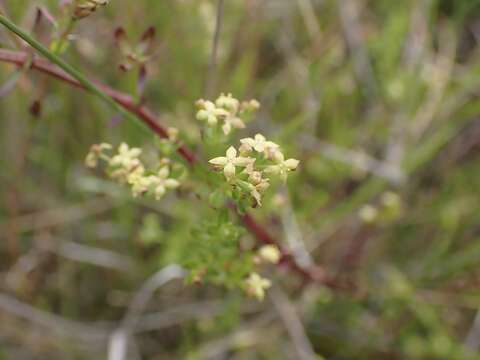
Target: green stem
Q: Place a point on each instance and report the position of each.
(82, 79)
(62, 39)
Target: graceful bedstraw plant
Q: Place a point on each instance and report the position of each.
(243, 175)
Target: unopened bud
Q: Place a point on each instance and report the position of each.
(270, 253)
(84, 8)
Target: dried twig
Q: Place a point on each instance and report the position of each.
(91, 255)
(352, 29)
(94, 332)
(293, 324)
(308, 13)
(472, 340)
(249, 335)
(293, 234)
(357, 159)
(50, 218)
(118, 345)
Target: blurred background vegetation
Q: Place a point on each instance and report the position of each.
(378, 99)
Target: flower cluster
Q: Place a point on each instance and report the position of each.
(254, 284)
(227, 110)
(84, 8)
(126, 167)
(260, 159)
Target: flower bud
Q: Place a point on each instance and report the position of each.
(368, 214)
(172, 133)
(227, 102)
(84, 8)
(245, 149)
(255, 177)
(270, 253)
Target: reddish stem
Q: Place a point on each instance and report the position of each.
(123, 99)
(314, 274)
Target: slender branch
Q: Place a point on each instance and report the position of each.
(124, 100)
(352, 29)
(293, 324)
(94, 332)
(118, 344)
(313, 274)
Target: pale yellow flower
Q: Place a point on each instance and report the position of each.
(368, 213)
(172, 133)
(258, 143)
(391, 200)
(142, 184)
(163, 182)
(127, 157)
(232, 122)
(252, 105)
(270, 253)
(96, 151)
(210, 113)
(257, 184)
(256, 190)
(282, 166)
(255, 177)
(230, 161)
(255, 286)
(228, 102)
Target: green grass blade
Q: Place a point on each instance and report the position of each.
(69, 69)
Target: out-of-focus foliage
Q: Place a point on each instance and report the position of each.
(377, 99)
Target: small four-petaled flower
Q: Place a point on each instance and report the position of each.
(258, 143)
(230, 161)
(127, 157)
(209, 112)
(255, 286)
(282, 166)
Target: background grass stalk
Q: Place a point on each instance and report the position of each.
(69, 69)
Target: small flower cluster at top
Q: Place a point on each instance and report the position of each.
(260, 159)
(226, 110)
(126, 167)
(85, 8)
